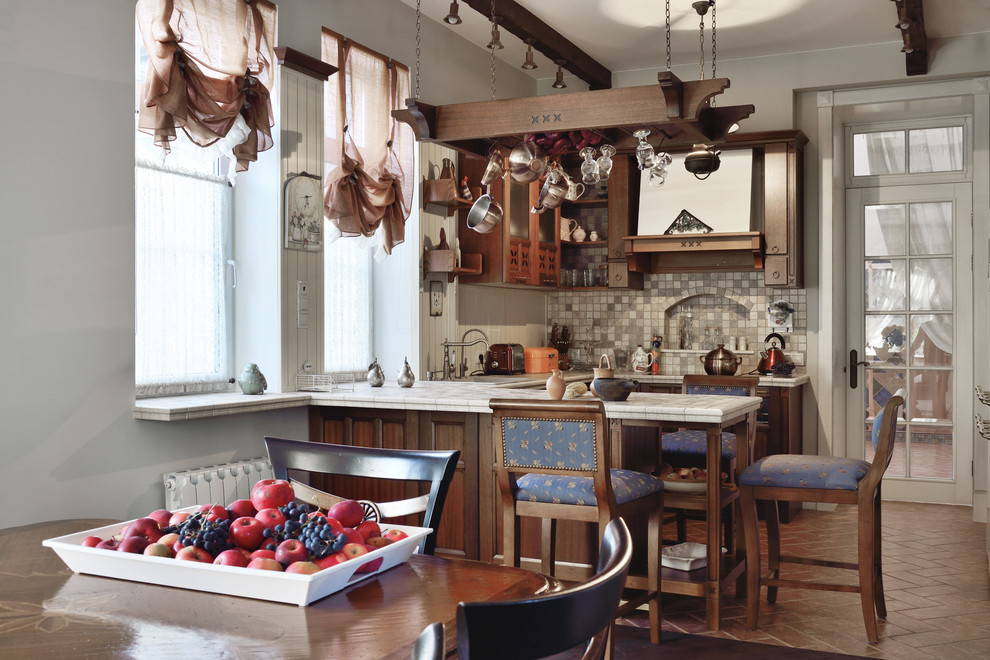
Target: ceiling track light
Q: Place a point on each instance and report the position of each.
(453, 17)
(559, 82)
(530, 63)
(496, 42)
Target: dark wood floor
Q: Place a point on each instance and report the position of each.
(935, 578)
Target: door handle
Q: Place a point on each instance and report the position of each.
(854, 365)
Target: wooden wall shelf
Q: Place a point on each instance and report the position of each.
(678, 253)
(442, 261)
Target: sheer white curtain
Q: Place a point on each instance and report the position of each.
(181, 311)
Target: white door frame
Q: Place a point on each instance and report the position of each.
(828, 373)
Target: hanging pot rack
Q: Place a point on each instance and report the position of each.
(679, 110)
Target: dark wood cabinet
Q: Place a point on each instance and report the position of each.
(409, 429)
(783, 213)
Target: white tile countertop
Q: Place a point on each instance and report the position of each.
(453, 396)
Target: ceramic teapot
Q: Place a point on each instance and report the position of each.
(567, 227)
(252, 381)
(578, 235)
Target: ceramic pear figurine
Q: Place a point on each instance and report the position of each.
(406, 375)
(376, 377)
(252, 381)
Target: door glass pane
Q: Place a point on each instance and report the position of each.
(884, 229)
(931, 284)
(885, 285)
(936, 149)
(881, 384)
(898, 460)
(931, 452)
(931, 228)
(518, 208)
(931, 395)
(548, 226)
(878, 153)
(885, 338)
(931, 340)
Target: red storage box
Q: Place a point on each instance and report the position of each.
(541, 360)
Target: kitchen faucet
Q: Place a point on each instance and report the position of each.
(448, 367)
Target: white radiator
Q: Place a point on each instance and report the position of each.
(215, 484)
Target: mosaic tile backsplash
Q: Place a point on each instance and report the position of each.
(735, 303)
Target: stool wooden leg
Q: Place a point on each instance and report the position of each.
(548, 546)
(867, 575)
(772, 515)
(751, 533)
(510, 537)
(654, 544)
(878, 598)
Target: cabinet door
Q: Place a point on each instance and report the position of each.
(623, 207)
(518, 222)
(458, 533)
(782, 215)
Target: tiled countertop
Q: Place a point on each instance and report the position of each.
(453, 396)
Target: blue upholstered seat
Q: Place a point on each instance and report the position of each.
(627, 485)
(695, 443)
(799, 471)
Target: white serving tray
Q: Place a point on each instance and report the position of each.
(275, 586)
(685, 556)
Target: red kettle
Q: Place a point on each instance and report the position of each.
(773, 355)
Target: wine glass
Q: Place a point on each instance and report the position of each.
(605, 161)
(589, 168)
(644, 152)
(658, 172)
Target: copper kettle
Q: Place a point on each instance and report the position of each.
(773, 356)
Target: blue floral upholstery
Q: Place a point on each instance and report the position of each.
(695, 442)
(549, 443)
(876, 429)
(627, 485)
(799, 471)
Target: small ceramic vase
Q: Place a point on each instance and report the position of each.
(578, 235)
(376, 377)
(593, 236)
(252, 381)
(406, 375)
(556, 385)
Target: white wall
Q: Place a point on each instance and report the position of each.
(71, 447)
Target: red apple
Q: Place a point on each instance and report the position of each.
(265, 563)
(351, 535)
(379, 541)
(348, 512)
(91, 541)
(241, 508)
(329, 560)
(247, 532)
(177, 545)
(147, 528)
(192, 553)
(334, 525)
(369, 529)
(178, 518)
(370, 566)
(302, 567)
(159, 550)
(395, 534)
(263, 554)
(168, 539)
(291, 550)
(231, 558)
(270, 517)
(271, 494)
(110, 544)
(246, 553)
(352, 550)
(161, 516)
(134, 544)
(214, 512)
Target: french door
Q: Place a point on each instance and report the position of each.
(910, 326)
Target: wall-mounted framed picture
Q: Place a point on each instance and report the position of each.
(303, 212)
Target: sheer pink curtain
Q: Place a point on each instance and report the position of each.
(209, 72)
(369, 156)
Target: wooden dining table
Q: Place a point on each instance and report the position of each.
(48, 611)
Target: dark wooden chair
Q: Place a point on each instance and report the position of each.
(552, 462)
(435, 467)
(828, 479)
(542, 625)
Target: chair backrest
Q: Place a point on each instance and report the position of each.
(720, 385)
(436, 467)
(543, 625)
(884, 436)
(551, 437)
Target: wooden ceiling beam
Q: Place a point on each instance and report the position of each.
(911, 25)
(525, 25)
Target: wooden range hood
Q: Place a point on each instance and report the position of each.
(680, 111)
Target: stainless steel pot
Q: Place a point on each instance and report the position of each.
(720, 362)
(527, 162)
(485, 214)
